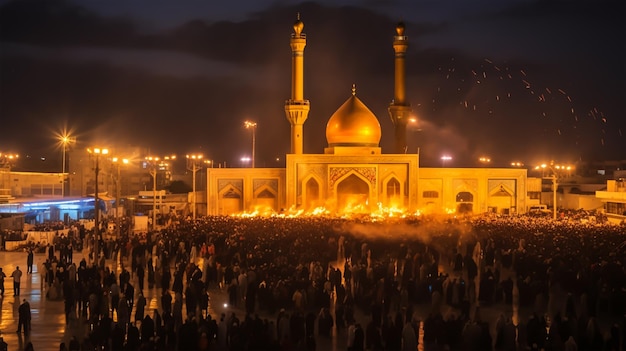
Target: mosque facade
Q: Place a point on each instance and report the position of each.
(352, 174)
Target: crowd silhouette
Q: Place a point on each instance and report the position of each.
(481, 283)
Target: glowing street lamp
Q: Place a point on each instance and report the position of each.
(445, 158)
(97, 152)
(154, 163)
(118, 162)
(7, 160)
(252, 125)
(65, 139)
(484, 160)
(516, 164)
(554, 170)
(193, 166)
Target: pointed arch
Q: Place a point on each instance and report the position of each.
(312, 193)
(393, 191)
(353, 193)
(265, 198)
(230, 200)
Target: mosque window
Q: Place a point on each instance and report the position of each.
(393, 187)
(431, 194)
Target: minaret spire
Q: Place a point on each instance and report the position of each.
(399, 109)
(297, 108)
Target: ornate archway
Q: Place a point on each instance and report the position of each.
(353, 194)
(464, 202)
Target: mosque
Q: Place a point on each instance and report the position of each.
(352, 174)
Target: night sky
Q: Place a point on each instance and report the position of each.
(515, 80)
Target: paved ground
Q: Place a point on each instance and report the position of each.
(48, 317)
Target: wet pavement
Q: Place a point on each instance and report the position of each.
(48, 319)
(48, 327)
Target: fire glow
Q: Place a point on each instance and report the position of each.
(350, 211)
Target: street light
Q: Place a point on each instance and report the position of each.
(192, 165)
(252, 125)
(484, 160)
(118, 162)
(445, 158)
(155, 163)
(97, 152)
(65, 139)
(245, 160)
(554, 169)
(6, 161)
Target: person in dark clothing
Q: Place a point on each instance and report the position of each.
(166, 302)
(147, 329)
(29, 262)
(359, 338)
(24, 318)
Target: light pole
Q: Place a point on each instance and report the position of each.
(192, 165)
(554, 177)
(118, 162)
(7, 160)
(65, 139)
(153, 163)
(96, 232)
(252, 125)
(484, 160)
(444, 159)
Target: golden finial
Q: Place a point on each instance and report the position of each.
(353, 89)
(298, 26)
(400, 28)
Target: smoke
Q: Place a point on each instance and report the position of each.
(424, 229)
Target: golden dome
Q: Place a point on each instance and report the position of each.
(353, 124)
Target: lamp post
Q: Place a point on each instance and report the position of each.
(192, 165)
(153, 162)
(252, 125)
(554, 169)
(444, 159)
(97, 152)
(484, 160)
(118, 162)
(65, 139)
(7, 160)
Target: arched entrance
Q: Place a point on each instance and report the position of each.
(500, 200)
(353, 195)
(311, 194)
(464, 202)
(230, 201)
(394, 193)
(265, 199)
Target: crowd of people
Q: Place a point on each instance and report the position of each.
(389, 285)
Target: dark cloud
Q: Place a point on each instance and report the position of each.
(191, 86)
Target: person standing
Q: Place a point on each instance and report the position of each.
(29, 262)
(17, 277)
(24, 317)
(2, 276)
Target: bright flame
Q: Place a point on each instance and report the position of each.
(351, 210)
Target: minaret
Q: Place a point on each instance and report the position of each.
(296, 108)
(399, 109)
